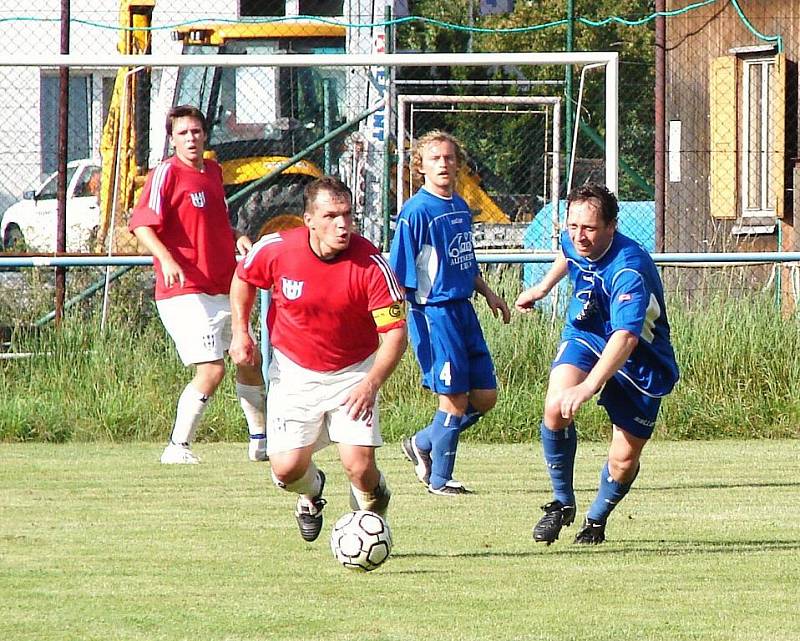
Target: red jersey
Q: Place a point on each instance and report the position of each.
(325, 314)
(186, 208)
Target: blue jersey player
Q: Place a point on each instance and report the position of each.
(616, 342)
(433, 258)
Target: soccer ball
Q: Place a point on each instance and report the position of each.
(361, 540)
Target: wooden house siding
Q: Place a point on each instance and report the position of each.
(694, 40)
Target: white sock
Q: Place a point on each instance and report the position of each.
(191, 406)
(376, 500)
(308, 485)
(251, 399)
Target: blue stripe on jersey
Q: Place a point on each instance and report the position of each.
(432, 252)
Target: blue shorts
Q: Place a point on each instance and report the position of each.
(627, 405)
(450, 348)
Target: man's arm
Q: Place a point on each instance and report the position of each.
(170, 269)
(496, 304)
(360, 401)
(242, 349)
(618, 349)
(526, 299)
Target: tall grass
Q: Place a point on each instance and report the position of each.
(739, 360)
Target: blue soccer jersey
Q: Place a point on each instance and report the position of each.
(622, 290)
(432, 252)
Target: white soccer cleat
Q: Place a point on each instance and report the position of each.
(179, 454)
(257, 450)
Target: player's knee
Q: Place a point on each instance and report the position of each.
(209, 375)
(484, 401)
(552, 415)
(249, 375)
(622, 468)
(283, 475)
(359, 469)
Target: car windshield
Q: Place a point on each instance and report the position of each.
(49, 189)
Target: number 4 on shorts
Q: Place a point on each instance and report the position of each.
(444, 375)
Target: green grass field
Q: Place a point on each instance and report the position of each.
(100, 542)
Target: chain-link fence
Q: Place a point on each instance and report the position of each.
(720, 178)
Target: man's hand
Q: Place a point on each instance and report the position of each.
(242, 349)
(243, 245)
(172, 272)
(571, 399)
(498, 306)
(526, 300)
(361, 399)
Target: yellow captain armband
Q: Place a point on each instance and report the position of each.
(388, 315)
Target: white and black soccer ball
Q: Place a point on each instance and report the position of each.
(361, 540)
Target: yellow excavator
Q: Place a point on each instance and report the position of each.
(259, 118)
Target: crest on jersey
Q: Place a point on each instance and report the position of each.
(292, 289)
(198, 199)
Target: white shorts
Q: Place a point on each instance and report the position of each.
(304, 407)
(199, 324)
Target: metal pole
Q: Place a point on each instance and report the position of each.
(63, 150)
(660, 123)
(471, 22)
(387, 142)
(569, 121)
(327, 97)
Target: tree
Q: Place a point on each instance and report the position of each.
(499, 144)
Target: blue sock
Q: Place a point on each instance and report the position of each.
(424, 437)
(444, 435)
(559, 454)
(470, 418)
(609, 493)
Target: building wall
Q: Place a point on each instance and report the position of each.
(693, 40)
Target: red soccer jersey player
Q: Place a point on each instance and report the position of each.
(182, 219)
(337, 326)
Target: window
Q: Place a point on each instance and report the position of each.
(321, 7)
(757, 144)
(747, 138)
(79, 129)
(261, 8)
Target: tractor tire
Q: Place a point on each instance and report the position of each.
(276, 206)
(14, 240)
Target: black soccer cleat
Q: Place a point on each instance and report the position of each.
(420, 459)
(556, 516)
(309, 513)
(451, 488)
(591, 533)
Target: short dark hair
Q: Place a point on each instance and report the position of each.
(609, 207)
(331, 184)
(185, 111)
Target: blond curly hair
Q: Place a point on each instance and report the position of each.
(435, 135)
